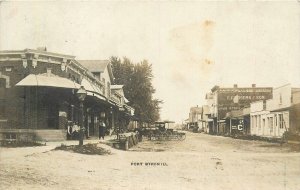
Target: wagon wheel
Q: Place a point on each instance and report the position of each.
(151, 136)
(182, 136)
(176, 137)
(167, 136)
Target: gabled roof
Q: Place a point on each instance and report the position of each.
(196, 109)
(205, 109)
(95, 65)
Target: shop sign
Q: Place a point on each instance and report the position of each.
(230, 99)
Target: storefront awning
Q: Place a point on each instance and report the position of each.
(89, 86)
(48, 81)
(92, 89)
(95, 95)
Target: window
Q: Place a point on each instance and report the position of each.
(275, 120)
(11, 136)
(2, 109)
(270, 123)
(8, 69)
(280, 99)
(259, 122)
(2, 83)
(280, 122)
(95, 120)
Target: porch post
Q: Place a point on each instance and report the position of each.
(230, 125)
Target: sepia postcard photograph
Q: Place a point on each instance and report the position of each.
(149, 95)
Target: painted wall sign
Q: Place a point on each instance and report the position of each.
(236, 98)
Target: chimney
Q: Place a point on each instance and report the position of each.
(235, 86)
(253, 85)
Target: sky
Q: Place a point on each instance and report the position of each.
(191, 45)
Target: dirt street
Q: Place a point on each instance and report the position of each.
(199, 162)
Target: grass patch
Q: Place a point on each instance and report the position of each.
(90, 149)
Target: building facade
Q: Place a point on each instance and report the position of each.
(223, 100)
(38, 94)
(273, 117)
(237, 122)
(195, 119)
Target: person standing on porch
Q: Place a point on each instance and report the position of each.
(102, 129)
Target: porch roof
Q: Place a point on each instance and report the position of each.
(48, 81)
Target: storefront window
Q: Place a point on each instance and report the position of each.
(270, 122)
(259, 122)
(280, 118)
(2, 83)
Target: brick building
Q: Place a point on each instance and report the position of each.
(222, 100)
(38, 94)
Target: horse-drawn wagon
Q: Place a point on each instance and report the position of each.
(161, 131)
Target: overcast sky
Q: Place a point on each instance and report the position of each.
(191, 45)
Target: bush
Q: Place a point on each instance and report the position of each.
(91, 149)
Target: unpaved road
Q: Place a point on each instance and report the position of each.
(200, 162)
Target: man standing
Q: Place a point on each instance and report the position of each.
(102, 129)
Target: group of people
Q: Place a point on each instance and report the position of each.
(73, 130)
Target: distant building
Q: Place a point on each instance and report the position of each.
(205, 118)
(195, 119)
(222, 100)
(271, 118)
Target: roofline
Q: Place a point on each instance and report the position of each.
(28, 51)
(244, 87)
(113, 87)
(110, 72)
(282, 86)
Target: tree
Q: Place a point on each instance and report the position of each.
(138, 88)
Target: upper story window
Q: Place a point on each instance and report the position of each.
(97, 75)
(280, 99)
(4, 81)
(8, 69)
(281, 121)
